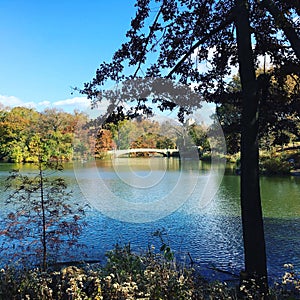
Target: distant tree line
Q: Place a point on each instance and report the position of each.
(69, 136)
(23, 131)
(145, 133)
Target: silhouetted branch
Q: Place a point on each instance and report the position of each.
(200, 42)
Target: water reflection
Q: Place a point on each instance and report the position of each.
(281, 197)
(129, 192)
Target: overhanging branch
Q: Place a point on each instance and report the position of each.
(225, 23)
(152, 29)
(283, 23)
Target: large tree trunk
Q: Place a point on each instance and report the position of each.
(252, 220)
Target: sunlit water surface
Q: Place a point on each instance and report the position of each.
(207, 231)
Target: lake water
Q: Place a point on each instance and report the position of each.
(197, 206)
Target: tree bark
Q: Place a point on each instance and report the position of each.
(252, 219)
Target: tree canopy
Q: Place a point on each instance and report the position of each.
(279, 112)
(23, 130)
(195, 42)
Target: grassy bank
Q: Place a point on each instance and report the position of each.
(275, 162)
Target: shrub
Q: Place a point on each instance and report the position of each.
(275, 166)
(129, 276)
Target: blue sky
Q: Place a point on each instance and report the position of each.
(49, 46)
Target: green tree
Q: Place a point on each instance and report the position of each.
(83, 142)
(126, 134)
(57, 129)
(16, 126)
(20, 127)
(184, 35)
(199, 136)
(278, 108)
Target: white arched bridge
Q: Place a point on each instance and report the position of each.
(164, 152)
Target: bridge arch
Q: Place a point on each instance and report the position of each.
(164, 152)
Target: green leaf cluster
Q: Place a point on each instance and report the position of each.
(27, 135)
